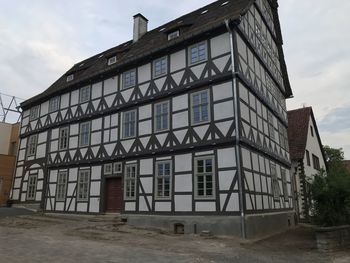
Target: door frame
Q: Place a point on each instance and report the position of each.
(103, 204)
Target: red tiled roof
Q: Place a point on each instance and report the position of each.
(298, 126)
(347, 164)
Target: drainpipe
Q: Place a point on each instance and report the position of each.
(238, 139)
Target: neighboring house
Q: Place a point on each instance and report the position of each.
(306, 153)
(347, 165)
(185, 125)
(8, 151)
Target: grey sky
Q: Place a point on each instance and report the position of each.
(42, 39)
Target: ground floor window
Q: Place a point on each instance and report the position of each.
(31, 191)
(130, 181)
(284, 185)
(274, 182)
(61, 186)
(83, 185)
(204, 177)
(163, 179)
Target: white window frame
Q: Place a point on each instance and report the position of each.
(32, 144)
(34, 113)
(130, 182)
(84, 94)
(197, 46)
(163, 70)
(162, 177)
(108, 169)
(201, 121)
(284, 184)
(112, 60)
(162, 116)
(271, 125)
(125, 76)
(54, 104)
(116, 170)
(124, 135)
(70, 78)
(31, 187)
(61, 191)
(63, 138)
(204, 174)
(173, 35)
(81, 134)
(274, 182)
(83, 185)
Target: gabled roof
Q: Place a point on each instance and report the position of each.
(298, 127)
(153, 42)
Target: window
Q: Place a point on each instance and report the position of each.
(54, 104)
(112, 60)
(271, 126)
(130, 181)
(34, 113)
(198, 53)
(316, 162)
(32, 141)
(117, 168)
(63, 139)
(163, 179)
(129, 79)
(84, 136)
(61, 186)
(129, 124)
(204, 177)
(107, 168)
(84, 94)
(312, 131)
(308, 158)
(83, 185)
(173, 35)
(160, 67)
(31, 188)
(284, 184)
(200, 107)
(161, 116)
(274, 182)
(70, 77)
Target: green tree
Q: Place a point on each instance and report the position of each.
(331, 191)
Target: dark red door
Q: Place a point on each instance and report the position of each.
(114, 195)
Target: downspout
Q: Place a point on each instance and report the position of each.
(238, 139)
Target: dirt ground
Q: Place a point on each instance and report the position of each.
(38, 238)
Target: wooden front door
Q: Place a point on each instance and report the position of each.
(114, 195)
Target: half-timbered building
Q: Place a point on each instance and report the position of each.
(184, 125)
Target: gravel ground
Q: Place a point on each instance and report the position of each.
(37, 238)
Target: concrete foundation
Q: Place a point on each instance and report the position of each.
(257, 226)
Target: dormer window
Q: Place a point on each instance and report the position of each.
(70, 77)
(173, 35)
(112, 60)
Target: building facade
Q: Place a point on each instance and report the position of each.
(185, 124)
(306, 154)
(8, 149)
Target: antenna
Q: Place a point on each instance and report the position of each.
(10, 110)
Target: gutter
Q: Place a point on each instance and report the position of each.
(238, 137)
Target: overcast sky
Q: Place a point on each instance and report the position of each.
(40, 40)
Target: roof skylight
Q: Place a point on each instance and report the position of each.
(225, 3)
(204, 12)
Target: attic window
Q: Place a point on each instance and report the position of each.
(225, 3)
(112, 60)
(162, 29)
(204, 12)
(70, 77)
(173, 35)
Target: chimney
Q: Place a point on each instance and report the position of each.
(140, 26)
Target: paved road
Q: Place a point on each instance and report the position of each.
(34, 238)
(13, 211)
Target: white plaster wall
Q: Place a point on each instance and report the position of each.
(178, 60)
(220, 45)
(144, 73)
